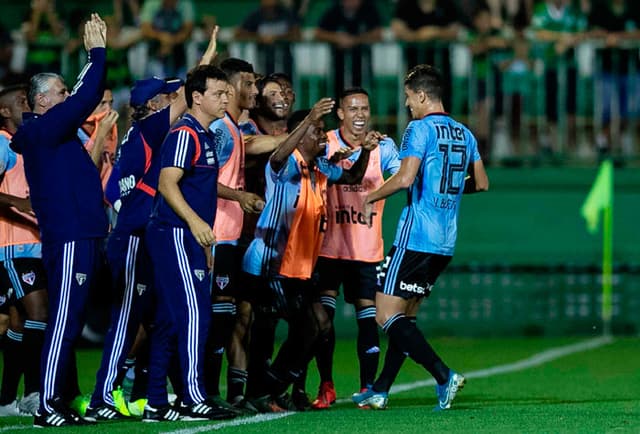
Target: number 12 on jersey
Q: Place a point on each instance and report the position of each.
(451, 181)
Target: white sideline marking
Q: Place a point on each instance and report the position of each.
(534, 360)
(259, 418)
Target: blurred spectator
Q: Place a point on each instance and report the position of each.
(466, 10)
(509, 15)
(428, 21)
(558, 28)
(6, 52)
(616, 22)
(483, 41)
(349, 26)
(167, 25)
(44, 33)
(272, 26)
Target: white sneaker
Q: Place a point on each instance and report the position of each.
(11, 409)
(30, 403)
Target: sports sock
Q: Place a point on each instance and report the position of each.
(261, 345)
(236, 379)
(12, 369)
(32, 342)
(393, 360)
(326, 343)
(368, 345)
(410, 340)
(222, 322)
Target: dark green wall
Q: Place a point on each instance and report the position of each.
(531, 216)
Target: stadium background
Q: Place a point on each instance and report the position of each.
(525, 264)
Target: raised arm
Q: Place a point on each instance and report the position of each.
(65, 118)
(355, 173)
(179, 105)
(282, 152)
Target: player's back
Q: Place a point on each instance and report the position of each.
(446, 147)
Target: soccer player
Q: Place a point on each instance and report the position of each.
(156, 106)
(233, 202)
(352, 249)
(179, 238)
(435, 153)
(288, 237)
(22, 275)
(267, 118)
(68, 204)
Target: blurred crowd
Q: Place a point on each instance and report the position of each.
(506, 43)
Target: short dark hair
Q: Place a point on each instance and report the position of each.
(262, 82)
(13, 88)
(296, 118)
(425, 78)
(233, 66)
(352, 91)
(281, 76)
(197, 80)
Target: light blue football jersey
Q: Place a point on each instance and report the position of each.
(446, 147)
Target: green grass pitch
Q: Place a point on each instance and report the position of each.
(594, 390)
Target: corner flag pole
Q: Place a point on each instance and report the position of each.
(607, 267)
(600, 199)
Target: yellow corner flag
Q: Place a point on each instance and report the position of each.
(600, 197)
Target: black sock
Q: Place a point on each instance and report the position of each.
(222, 322)
(260, 349)
(410, 340)
(368, 345)
(393, 360)
(326, 343)
(236, 379)
(13, 367)
(32, 342)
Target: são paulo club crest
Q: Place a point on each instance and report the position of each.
(29, 278)
(199, 274)
(222, 281)
(81, 278)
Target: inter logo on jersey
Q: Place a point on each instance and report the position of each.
(81, 278)
(141, 288)
(3, 299)
(29, 278)
(222, 281)
(199, 274)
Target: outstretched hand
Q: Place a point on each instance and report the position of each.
(341, 154)
(210, 53)
(371, 140)
(95, 33)
(321, 108)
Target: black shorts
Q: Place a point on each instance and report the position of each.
(226, 271)
(22, 276)
(281, 297)
(357, 278)
(407, 274)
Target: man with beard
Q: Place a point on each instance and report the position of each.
(232, 203)
(267, 118)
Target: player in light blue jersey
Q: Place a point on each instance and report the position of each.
(436, 152)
